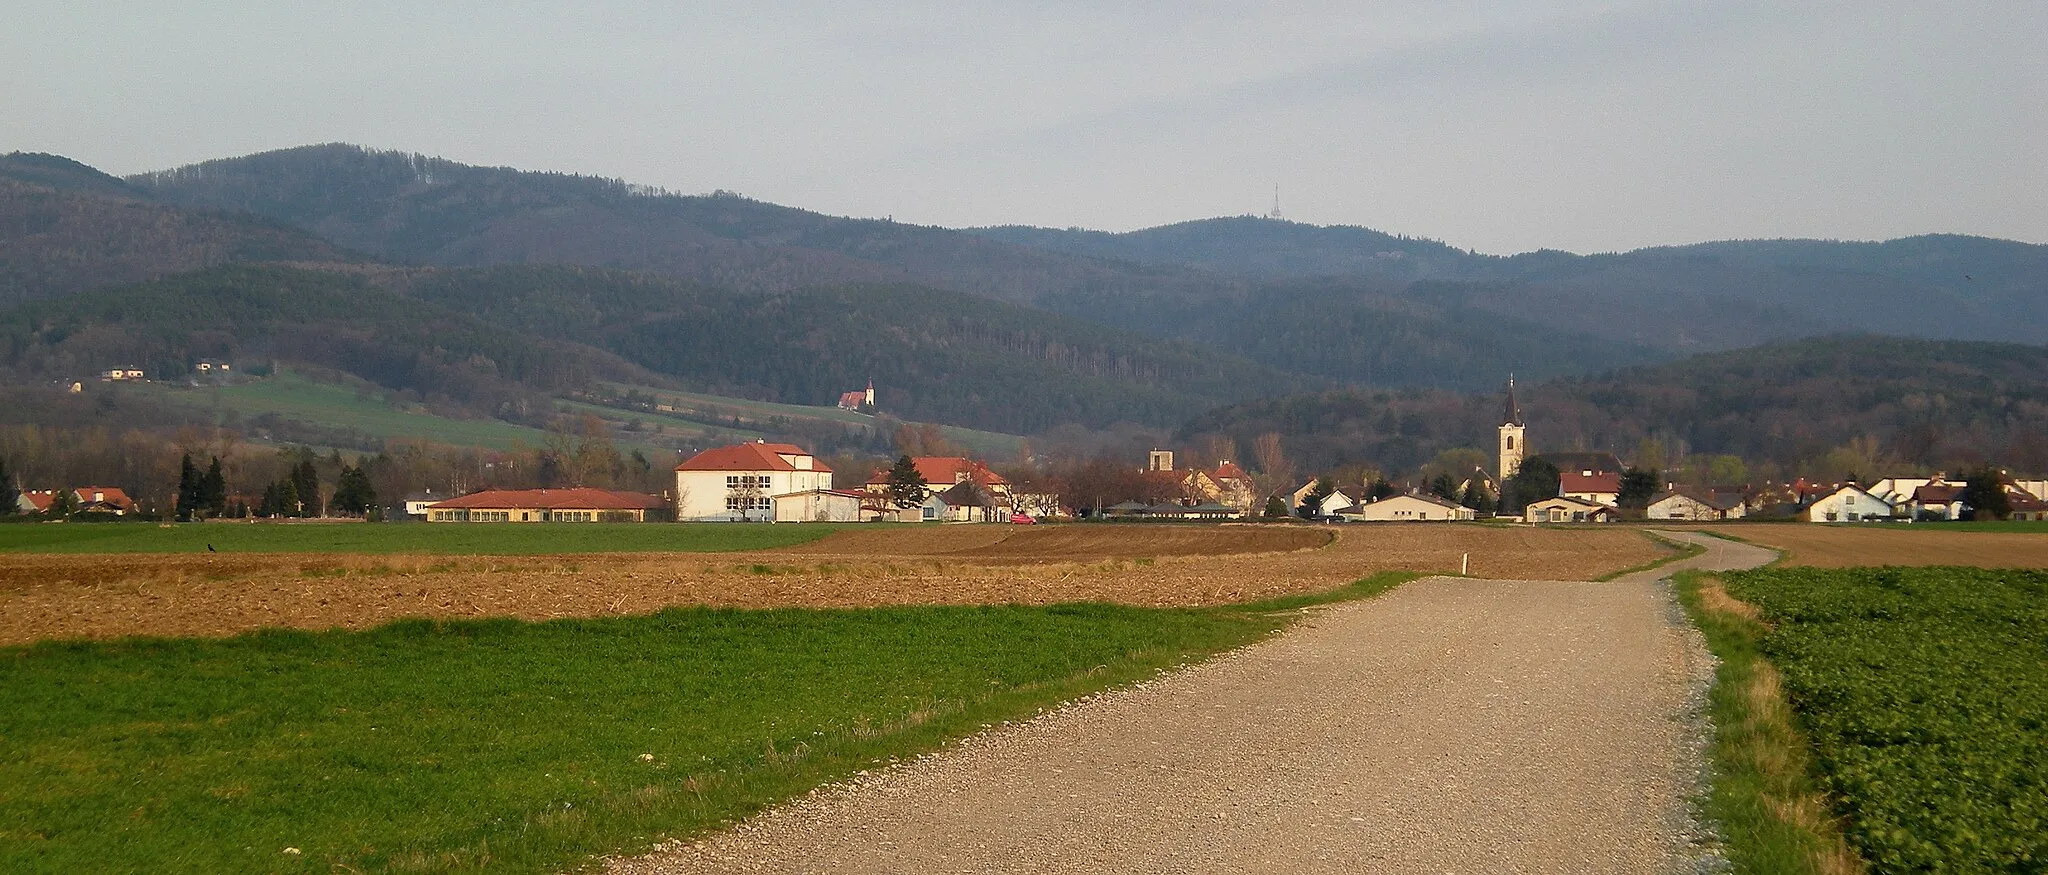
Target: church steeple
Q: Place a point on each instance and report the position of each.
(1512, 446)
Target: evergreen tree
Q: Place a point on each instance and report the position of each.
(1638, 486)
(306, 487)
(213, 490)
(188, 489)
(1984, 492)
(1535, 481)
(353, 492)
(288, 499)
(1380, 488)
(1444, 487)
(63, 503)
(906, 487)
(1275, 508)
(9, 495)
(1476, 496)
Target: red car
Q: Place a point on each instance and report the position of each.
(1022, 519)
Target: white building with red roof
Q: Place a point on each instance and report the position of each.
(941, 473)
(742, 481)
(1599, 487)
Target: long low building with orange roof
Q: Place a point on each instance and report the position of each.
(574, 505)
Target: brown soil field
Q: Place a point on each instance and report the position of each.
(1844, 547)
(191, 594)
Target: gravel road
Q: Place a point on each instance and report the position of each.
(1449, 726)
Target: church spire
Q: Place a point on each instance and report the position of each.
(1511, 413)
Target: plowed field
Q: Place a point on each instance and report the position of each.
(1844, 547)
(63, 596)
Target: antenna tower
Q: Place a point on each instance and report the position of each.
(1275, 214)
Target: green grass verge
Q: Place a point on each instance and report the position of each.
(480, 539)
(1764, 798)
(523, 747)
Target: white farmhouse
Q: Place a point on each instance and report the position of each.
(742, 481)
(1848, 504)
(1408, 508)
(1686, 504)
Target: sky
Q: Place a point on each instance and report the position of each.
(1502, 126)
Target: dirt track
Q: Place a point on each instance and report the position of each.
(57, 596)
(1449, 726)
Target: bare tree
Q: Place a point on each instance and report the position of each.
(1276, 473)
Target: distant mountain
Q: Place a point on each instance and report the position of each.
(1692, 298)
(67, 228)
(1785, 407)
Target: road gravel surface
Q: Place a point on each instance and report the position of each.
(1452, 725)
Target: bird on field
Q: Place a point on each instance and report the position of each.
(209, 549)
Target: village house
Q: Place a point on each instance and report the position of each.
(1696, 505)
(416, 503)
(943, 472)
(1565, 509)
(1937, 501)
(88, 499)
(1586, 484)
(740, 482)
(966, 502)
(1338, 502)
(580, 504)
(1846, 503)
(1408, 508)
(820, 506)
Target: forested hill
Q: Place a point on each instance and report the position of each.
(67, 228)
(1688, 298)
(483, 337)
(1859, 403)
(412, 208)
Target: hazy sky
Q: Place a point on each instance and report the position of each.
(1501, 126)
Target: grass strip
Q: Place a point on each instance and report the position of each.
(425, 746)
(1680, 550)
(470, 539)
(1765, 798)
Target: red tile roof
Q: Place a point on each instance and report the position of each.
(107, 494)
(944, 471)
(1229, 471)
(575, 498)
(39, 498)
(1939, 493)
(1573, 481)
(750, 457)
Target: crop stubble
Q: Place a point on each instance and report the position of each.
(100, 596)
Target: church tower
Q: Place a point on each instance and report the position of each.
(868, 401)
(1512, 446)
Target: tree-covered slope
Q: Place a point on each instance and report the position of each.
(65, 228)
(934, 355)
(1896, 403)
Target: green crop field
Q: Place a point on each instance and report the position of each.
(483, 539)
(521, 747)
(718, 408)
(1925, 694)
